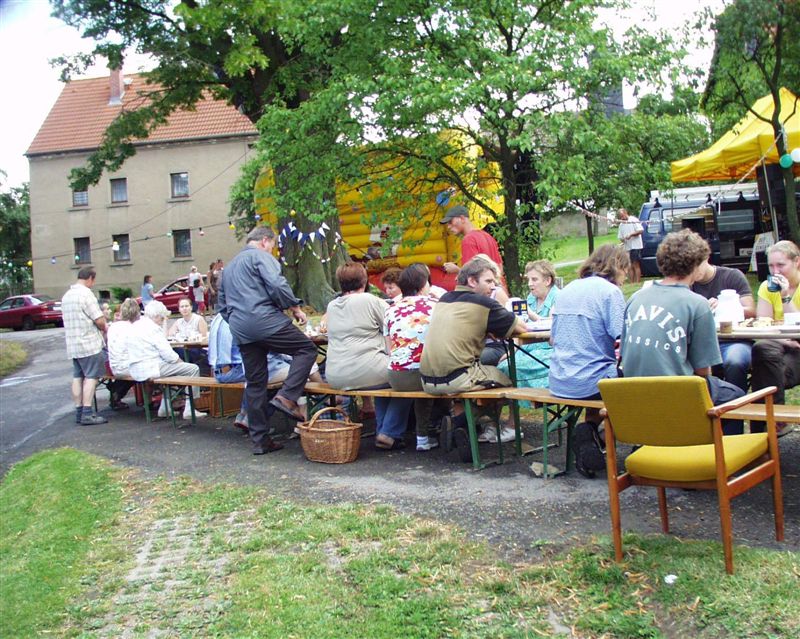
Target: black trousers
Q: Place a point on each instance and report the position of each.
(775, 363)
(289, 340)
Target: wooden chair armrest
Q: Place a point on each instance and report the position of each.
(717, 411)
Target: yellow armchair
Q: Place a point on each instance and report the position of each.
(682, 446)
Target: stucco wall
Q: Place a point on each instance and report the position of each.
(150, 212)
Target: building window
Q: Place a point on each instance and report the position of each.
(179, 184)
(80, 198)
(83, 250)
(182, 242)
(123, 248)
(119, 190)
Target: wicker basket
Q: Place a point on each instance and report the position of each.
(330, 441)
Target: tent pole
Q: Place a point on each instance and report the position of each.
(769, 202)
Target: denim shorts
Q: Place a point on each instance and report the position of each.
(91, 367)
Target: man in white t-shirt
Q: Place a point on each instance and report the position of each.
(630, 234)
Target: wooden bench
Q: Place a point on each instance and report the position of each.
(757, 412)
(561, 412)
(558, 414)
(477, 396)
(178, 385)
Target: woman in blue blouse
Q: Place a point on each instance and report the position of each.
(543, 292)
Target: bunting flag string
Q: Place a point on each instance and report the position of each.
(305, 241)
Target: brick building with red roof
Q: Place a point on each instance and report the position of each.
(145, 218)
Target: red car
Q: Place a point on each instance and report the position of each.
(26, 311)
(171, 294)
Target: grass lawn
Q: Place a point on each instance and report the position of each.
(12, 356)
(570, 249)
(89, 551)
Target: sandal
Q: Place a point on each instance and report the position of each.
(384, 442)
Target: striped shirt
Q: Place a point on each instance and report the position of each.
(79, 309)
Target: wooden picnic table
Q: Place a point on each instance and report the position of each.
(761, 332)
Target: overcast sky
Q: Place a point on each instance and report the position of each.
(29, 37)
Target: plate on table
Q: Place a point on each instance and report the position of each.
(540, 325)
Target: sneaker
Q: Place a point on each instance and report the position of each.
(489, 434)
(427, 443)
(507, 434)
(93, 419)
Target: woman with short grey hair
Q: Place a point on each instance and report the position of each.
(117, 345)
(150, 354)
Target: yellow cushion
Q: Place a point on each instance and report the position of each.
(695, 463)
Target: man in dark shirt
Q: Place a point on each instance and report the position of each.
(253, 296)
(736, 355)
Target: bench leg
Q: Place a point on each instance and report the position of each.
(555, 418)
(473, 436)
(147, 396)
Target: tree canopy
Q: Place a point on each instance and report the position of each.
(757, 51)
(440, 92)
(15, 238)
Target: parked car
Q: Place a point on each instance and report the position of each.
(730, 228)
(171, 294)
(27, 311)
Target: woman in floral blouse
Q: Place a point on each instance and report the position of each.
(405, 326)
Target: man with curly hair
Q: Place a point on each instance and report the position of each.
(669, 330)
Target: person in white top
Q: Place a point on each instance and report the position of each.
(117, 344)
(630, 234)
(190, 325)
(150, 354)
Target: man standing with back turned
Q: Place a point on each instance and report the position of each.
(253, 296)
(84, 327)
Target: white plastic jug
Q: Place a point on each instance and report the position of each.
(729, 308)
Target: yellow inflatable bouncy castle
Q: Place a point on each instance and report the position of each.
(406, 214)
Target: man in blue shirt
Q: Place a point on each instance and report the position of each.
(253, 296)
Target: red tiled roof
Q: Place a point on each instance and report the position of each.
(81, 115)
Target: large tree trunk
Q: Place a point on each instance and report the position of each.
(788, 175)
(311, 268)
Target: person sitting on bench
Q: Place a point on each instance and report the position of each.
(151, 356)
(456, 337)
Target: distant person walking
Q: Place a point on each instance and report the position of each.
(84, 330)
(147, 290)
(630, 234)
(252, 298)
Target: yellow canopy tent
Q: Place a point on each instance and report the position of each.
(735, 153)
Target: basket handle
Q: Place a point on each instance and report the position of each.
(328, 409)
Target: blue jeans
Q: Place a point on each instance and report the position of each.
(391, 416)
(722, 391)
(736, 359)
(234, 375)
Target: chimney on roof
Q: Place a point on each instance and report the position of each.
(117, 86)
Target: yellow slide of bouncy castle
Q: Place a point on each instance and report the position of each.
(423, 238)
